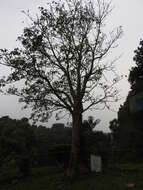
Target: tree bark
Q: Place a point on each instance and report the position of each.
(78, 161)
(74, 165)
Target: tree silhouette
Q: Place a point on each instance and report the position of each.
(136, 73)
(127, 129)
(17, 145)
(62, 65)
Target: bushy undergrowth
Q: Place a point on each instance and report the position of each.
(51, 178)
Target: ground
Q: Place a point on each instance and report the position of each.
(116, 178)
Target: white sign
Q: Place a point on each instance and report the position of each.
(96, 163)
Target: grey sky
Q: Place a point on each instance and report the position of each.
(127, 13)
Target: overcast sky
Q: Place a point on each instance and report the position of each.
(127, 13)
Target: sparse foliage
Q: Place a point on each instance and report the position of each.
(62, 63)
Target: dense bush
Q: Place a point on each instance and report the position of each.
(24, 146)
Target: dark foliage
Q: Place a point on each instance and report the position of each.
(17, 145)
(127, 129)
(136, 73)
(24, 146)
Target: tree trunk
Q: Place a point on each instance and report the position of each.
(76, 145)
(78, 161)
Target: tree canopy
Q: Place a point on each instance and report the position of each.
(136, 73)
(61, 61)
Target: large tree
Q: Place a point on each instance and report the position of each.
(127, 129)
(62, 63)
(136, 73)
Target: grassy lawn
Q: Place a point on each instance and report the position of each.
(53, 179)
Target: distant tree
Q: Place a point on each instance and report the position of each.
(114, 127)
(62, 63)
(95, 142)
(58, 126)
(17, 144)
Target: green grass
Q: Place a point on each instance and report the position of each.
(54, 179)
